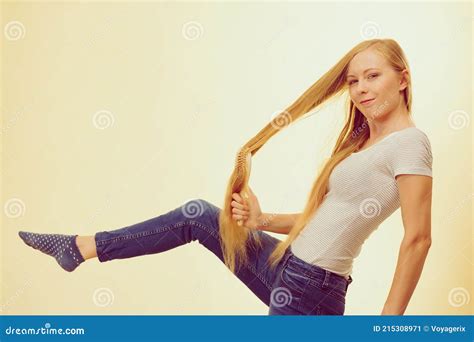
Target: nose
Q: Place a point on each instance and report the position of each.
(361, 88)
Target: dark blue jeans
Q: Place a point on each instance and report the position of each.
(294, 287)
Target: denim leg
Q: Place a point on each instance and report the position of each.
(195, 220)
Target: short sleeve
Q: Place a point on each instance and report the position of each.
(412, 155)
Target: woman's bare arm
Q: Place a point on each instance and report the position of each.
(415, 202)
(248, 212)
(277, 223)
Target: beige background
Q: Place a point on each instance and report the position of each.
(113, 113)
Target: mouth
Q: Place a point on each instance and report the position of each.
(368, 101)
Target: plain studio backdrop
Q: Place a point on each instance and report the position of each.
(114, 113)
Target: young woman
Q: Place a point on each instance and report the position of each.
(381, 162)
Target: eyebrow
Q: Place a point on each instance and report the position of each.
(364, 72)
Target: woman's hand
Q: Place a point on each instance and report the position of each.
(246, 209)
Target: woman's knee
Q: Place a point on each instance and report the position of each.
(202, 211)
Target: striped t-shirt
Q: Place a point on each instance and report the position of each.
(362, 193)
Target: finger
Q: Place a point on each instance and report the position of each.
(244, 197)
(237, 205)
(237, 197)
(239, 212)
(240, 217)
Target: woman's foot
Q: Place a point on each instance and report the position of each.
(62, 247)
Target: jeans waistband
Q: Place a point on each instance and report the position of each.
(314, 269)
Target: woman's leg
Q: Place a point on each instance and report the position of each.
(86, 245)
(196, 220)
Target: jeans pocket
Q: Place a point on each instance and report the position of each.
(295, 280)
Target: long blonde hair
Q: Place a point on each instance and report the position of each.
(351, 138)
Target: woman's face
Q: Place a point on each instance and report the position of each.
(369, 76)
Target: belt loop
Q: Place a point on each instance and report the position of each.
(287, 256)
(348, 282)
(327, 274)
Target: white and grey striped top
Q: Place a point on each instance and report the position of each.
(362, 193)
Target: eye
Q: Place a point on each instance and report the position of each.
(350, 82)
